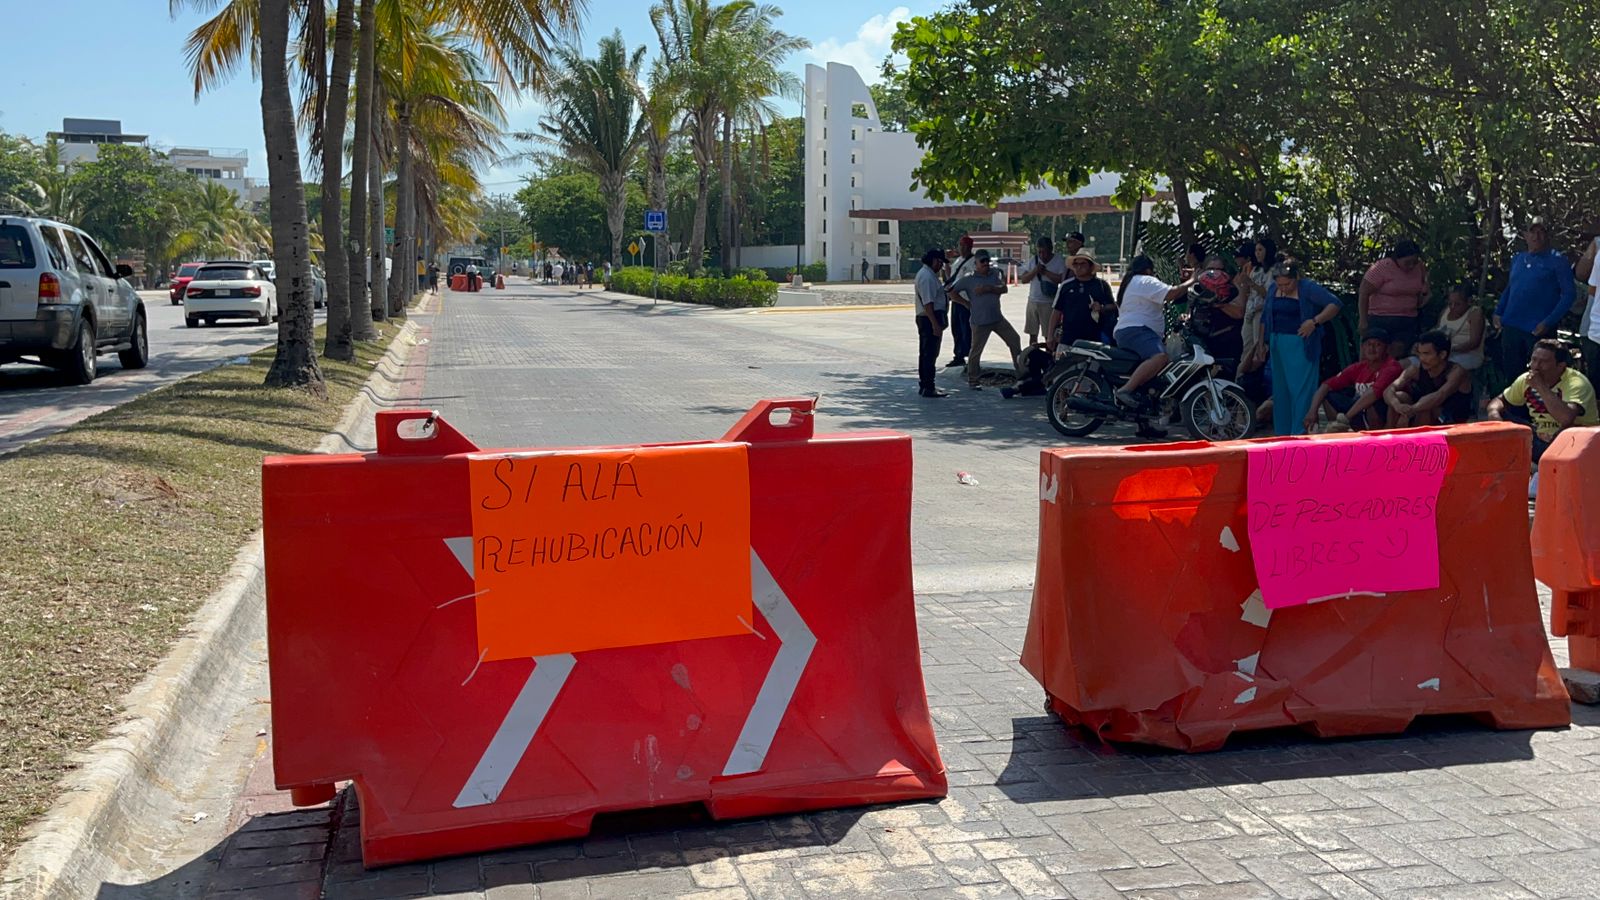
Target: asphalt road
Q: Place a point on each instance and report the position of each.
(35, 401)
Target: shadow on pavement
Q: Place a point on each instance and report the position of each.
(316, 853)
(1053, 761)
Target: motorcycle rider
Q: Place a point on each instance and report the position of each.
(1141, 324)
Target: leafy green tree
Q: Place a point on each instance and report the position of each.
(594, 121)
(21, 171)
(563, 208)
(895, 112)
(1336, 127)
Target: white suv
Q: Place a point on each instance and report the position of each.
(63, 303)
(230, 289)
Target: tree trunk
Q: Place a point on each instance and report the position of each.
(338, 342)
(361, 327)
(614, 188)
(1493, 233)
(295, 364)
(704, 143)
(725, 221)
(376, 248)
(1180, 196)
(656, 184)
(403, 280)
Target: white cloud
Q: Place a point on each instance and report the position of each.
(871, 44)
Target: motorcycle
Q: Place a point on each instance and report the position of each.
(1081, 386)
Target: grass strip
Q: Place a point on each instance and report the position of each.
(112, 533)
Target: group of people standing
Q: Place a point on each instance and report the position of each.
(1270, 321)
(1067, 300)
(576, 274)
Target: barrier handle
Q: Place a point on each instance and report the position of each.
(432, 436)
(786, 419)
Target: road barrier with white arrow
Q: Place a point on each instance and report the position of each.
(497, 646)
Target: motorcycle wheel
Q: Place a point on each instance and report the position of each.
(1078, 382)
(1230, 419)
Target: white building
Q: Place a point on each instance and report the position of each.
(859, 185)
(81, 140)
(846, 152)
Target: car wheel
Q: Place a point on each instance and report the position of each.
(276, 312)
(191, 321)
(177, 302)
(138, 355)
(79, 362)
(266, 317)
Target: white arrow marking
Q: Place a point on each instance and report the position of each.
(521, 723)
(550, 674)
(755, 739)
(462, 548)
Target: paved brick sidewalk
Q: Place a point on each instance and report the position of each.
(1035, 810)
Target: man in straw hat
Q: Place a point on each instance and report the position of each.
(1084, 308)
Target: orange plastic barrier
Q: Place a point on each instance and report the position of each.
(1566, 541)
(1149, 622)
(499, 282)
(458, 282)
(496, 646)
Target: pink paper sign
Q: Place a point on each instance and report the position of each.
(1332, 518)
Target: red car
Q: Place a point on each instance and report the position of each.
(182, 279)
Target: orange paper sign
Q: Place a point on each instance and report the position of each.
(581, 550)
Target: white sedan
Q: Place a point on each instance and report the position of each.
(230, 290)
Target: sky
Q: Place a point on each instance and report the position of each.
(127, 63)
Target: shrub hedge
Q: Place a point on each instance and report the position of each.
(729, 293)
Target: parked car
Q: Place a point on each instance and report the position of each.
(230, 289)
(181, 280)
(62, 302)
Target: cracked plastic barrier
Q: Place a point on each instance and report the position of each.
(1148, 623)
(812, 699)
(1566, 541)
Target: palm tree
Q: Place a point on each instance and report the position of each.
(338, 340)
(689, 32)
(295, 364)
(659, 102)
(752, 57)
(361, 154)
(592, 122)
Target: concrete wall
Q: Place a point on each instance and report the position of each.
(769, 257)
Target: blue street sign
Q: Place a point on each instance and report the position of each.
(655, 220)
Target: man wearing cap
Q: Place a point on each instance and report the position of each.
(1073, 242)
(1357, 392)
(1084, 308)
(931, 305)
(960, 315)
(1043, 275)
(1539, 292)
(985, 286)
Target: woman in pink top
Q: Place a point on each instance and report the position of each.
(1392, 294)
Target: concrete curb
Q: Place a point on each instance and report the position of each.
(176, 715)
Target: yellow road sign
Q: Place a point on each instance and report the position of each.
(633, 248)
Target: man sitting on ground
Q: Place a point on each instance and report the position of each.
(1433, 390)
(1549, 397)
(1358, 391)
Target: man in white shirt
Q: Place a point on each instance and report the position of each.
(1142, 323)
(1044, 273)
(960, 315)
(1588, 272)
(931, 304)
